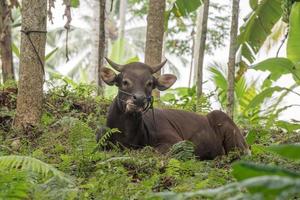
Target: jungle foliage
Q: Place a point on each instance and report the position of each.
(60, 158)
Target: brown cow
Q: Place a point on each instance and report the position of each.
(214, 134)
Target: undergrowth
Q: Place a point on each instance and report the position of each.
(64, 145)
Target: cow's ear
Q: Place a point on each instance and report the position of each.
(108, 75)
(165, 81)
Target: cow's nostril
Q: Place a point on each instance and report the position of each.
(134, 97)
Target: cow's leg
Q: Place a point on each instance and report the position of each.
(227, 129)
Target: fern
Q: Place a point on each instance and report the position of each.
(31, 164)
(105, 137)
(14, 185)
(183, 150)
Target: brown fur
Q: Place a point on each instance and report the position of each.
(213, 135)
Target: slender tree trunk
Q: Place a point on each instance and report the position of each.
(121, 32)
(192, 58)
(122, 12)
(93, 69)
(202, 48)
(197, 41)
(5, 42)
(155, 33)
(101, 48)
(232, 57)
(110, 6)
(163, 53)
(30, 90)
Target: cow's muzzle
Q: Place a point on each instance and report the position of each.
(138, 102)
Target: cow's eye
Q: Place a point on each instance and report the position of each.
(149, 84)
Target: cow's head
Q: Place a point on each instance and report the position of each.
(136, 82)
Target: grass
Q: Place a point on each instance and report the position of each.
(66, 140)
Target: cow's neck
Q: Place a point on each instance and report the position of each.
(133, 130)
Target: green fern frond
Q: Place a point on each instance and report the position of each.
(184, 150)
(31, 164)
(105, 137)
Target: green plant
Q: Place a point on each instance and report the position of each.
(186, 99)
(21, 176)
(184, 150)
(104, 139)
(14, 184)
(260, 181)
(31, 164)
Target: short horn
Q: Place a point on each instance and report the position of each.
(159, 66)
(114, 65)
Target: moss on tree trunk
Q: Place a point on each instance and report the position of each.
(30, 90)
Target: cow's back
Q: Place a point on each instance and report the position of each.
(176, 125)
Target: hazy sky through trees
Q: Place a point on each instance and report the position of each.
(220, 55)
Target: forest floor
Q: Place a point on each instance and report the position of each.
(66, 139)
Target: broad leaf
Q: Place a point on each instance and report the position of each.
(184, 7)
(293, 44)
(271, 187)
(244, 170)
(259, 25)
(290, 151)
(276, 66)
(262, 96)
(290, 127)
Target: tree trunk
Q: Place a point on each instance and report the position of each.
(197, 41)
(232, 57)
(122, 12)
(93, 69)
(30, 90)
(200, 56)
(5, 42)
(101, 48)
(155, 34)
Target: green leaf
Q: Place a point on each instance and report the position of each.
(14, 183)
(16, 50)
(262, 96)
(168, 97)
(290, 127)
(218, 78)
(253, 4)
(290, 151)
(74, 3)
(259, 25)
(271, 187)
(184, 7)
(31, 164)
(133, 59)
(276, 66)
(251, 137)
(293, 44)
(49, 55)
(244, 170)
